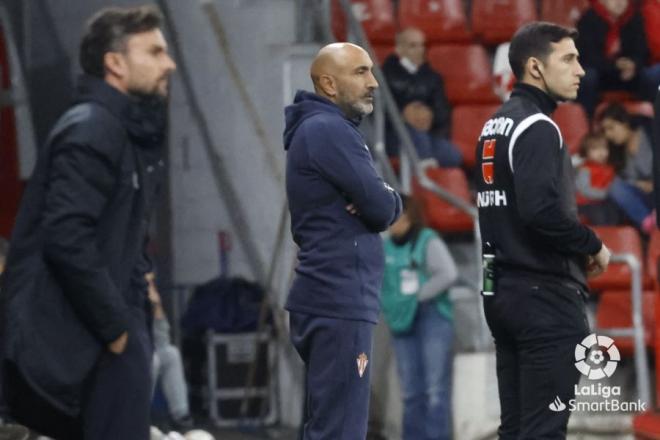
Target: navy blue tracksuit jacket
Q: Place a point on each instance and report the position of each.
(341, 256)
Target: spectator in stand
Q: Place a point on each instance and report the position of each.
(420, 95)
(613, 51)
(593, 179)
(167, 365)
(418, 273)
(631, 139)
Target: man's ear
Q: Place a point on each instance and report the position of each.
(534, 68)
(115, 64)
(328, 84)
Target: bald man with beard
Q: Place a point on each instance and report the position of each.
(338, 206)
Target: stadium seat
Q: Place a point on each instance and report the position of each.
(563, 12)
(467, 121)
(652, 257)
(642, 108)
(382, 52)
(11, 181)
(616, 96)
(572, 120)
(467, 73)
(439, 214)
(620, 240)
(650, 10)
(614, 310)
(377, 18)
(442, 21)
(495, 21)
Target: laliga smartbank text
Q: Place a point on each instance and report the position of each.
(606, 392)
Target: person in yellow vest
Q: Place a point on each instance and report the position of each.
(416, 306)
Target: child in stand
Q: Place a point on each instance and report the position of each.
(593, 179)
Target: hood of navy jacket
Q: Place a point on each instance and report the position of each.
(306, 105)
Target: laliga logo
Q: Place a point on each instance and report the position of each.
(602, 360)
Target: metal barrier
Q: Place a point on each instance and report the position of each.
(18, 98)
(637, 330)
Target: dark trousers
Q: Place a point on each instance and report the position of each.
(117, 399)
(337, 354)
(536, 326)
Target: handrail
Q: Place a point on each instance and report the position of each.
(637, 330)
(379, 146)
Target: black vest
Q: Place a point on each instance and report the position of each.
(519, 249)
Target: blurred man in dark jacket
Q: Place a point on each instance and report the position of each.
(338, 206)
(78, 354)
(613, 51)
(420, 95)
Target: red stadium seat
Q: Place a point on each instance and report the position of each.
(439, 214)
(467, 121)
(642, 108)
(652, 257)
(563, 12)
(467, 73)
(616, 96)
(442, 21)
(614, 310)
(572, 120)
(495, 21)
(10, 176)
(382, 52)
(651, 12)
(377, 18)
(620, 240)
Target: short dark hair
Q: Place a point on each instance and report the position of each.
(616, 112)
(107, 31)
(533, 40)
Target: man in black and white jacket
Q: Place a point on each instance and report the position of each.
(528, 220)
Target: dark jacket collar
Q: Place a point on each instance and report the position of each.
(542, 100)
(145, 118)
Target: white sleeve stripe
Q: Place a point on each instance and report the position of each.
(524, 125)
